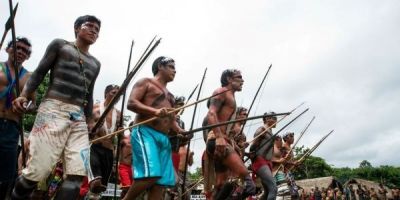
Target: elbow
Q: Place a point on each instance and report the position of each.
(132, 106)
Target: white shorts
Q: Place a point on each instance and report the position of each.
(60, 129)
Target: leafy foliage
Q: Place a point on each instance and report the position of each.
(314, 167)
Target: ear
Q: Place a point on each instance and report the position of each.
(8, 50)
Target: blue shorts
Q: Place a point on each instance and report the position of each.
(9, 134)
(151, 152)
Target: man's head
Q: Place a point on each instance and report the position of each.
(270, 120)
(278, 141)
(241, 113)
(288, 137)
(24, 49)
(110, 91)
(233, 78)
(165, 67)
(179, 101)
(87, 27)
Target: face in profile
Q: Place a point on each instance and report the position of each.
(237, 81)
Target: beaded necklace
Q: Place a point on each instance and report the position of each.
(82, 72)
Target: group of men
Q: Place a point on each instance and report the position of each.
(65, 121)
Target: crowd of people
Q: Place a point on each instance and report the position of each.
(71, 149)
(360, 192)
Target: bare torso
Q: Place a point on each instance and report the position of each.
(226, 107)
(108, 143)
(7, 113)
(126, 151)
(276, 156)
(156, 96)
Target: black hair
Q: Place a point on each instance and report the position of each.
(269, 117)
(162, 60)
(240, 109)
(109, 88)
(19, 39)
(85, 18)
(180, 100)
(285, 137)
(228, 73)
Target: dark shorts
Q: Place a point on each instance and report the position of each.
(101, 163)
(210, 148)
(9, 133)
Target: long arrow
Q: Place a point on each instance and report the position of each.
(8, 25)
(190, 96)
(254, 139)
(154, 118)
(191, 128)
(121, 124)
(234, 121)
(255, 97)
(273, 136)
(309, 152)
(294, 145)
(16, 74)
(126, 82)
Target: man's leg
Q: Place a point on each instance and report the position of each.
(23, 188)
(69, 188)
(236, 165)
(268, 182)
(138, 187)
(156, 192)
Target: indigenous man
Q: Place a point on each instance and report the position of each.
(60, 127)
(240, 137)
(289, 163)
(151, 147)
(277, 169)
(219, 145)
(9, 128)
(101, 156)
(277, 158)
(261, 161)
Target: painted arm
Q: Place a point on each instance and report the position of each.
(37, 76)
(89, 107)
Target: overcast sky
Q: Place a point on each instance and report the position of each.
(340, 57)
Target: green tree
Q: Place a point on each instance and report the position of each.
(196, 175)
(29, 118)
(312, 166)
(365, 164)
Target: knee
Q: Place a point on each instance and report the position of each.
(23, 188)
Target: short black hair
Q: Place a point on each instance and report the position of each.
(179, 100)
(109, 88)
(85, 18)
(19, 39)
(269, 117)
(228, 73)
(286, 136)
(162, 60)
(240, 109)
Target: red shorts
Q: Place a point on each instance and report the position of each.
(259, 162)
(84, 187)
(175, 160)
(125, 175)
